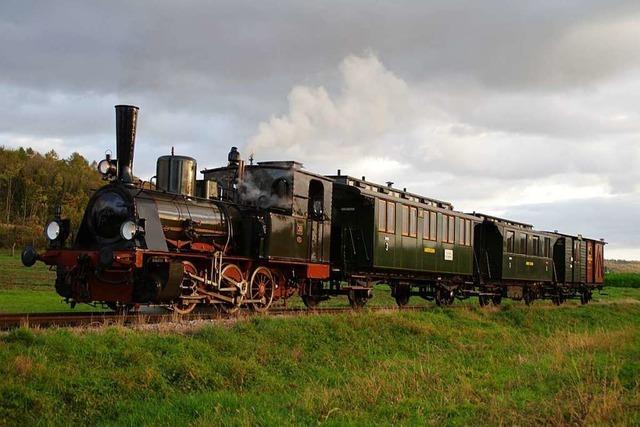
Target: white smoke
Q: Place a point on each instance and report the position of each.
(371, 104)
(447, 139)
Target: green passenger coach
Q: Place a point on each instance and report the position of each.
(417, 245)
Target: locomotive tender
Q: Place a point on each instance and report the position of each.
(248, 235)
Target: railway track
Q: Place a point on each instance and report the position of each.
(69, 319)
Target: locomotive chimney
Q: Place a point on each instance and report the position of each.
(126, 120)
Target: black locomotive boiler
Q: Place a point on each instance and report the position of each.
(246, 235)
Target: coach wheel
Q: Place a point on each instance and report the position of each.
(358, 299)
(557, 299)
(528, 297)
(496, 299)
(444, 297)
(231, 277)
(311, 296)
(483, 300)
(585, 296)
(310, 301)
(262, 287)
(402, 294)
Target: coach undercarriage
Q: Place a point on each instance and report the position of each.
(444, 291)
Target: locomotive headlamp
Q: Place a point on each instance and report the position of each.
(104, 166)
(107, 167)
(57, 231)
(128, 230)
(52, 230)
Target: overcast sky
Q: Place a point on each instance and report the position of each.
(523, 109)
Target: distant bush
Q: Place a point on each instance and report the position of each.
(21, 236)
(32, 185)
(622, 280)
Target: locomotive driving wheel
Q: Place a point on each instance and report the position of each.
(231, 277)
(261, 288)
(188, 287)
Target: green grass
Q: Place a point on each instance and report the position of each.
(514, 365)
(509, 365)
(13, 275)
(626, 280)
(29, 289)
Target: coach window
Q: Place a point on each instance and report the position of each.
(467, 232)
(382, 215)
(547, 247)
(523, 244)
(413, 222)
(510, 241)
(391, 217)
(452, 229)
(536, 246)
(425, 226)
(442, 227)
(405, 220)
(433, 224)
(460, 231)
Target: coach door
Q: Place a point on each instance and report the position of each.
(576, 260)
(589, 262)
(598, 263)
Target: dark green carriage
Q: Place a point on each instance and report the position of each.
(385, 233)
(510, 251)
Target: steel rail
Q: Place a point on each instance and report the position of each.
(10, 321)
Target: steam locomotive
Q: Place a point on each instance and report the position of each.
(246, 235)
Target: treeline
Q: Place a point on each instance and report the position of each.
(32, 185)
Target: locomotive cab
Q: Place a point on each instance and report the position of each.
(292, 205)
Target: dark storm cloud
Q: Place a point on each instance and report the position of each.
(437, 94)
(263, 46)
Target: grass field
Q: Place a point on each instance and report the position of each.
(514, 365)
(622, 280)
(31, 289)
(465, 365)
